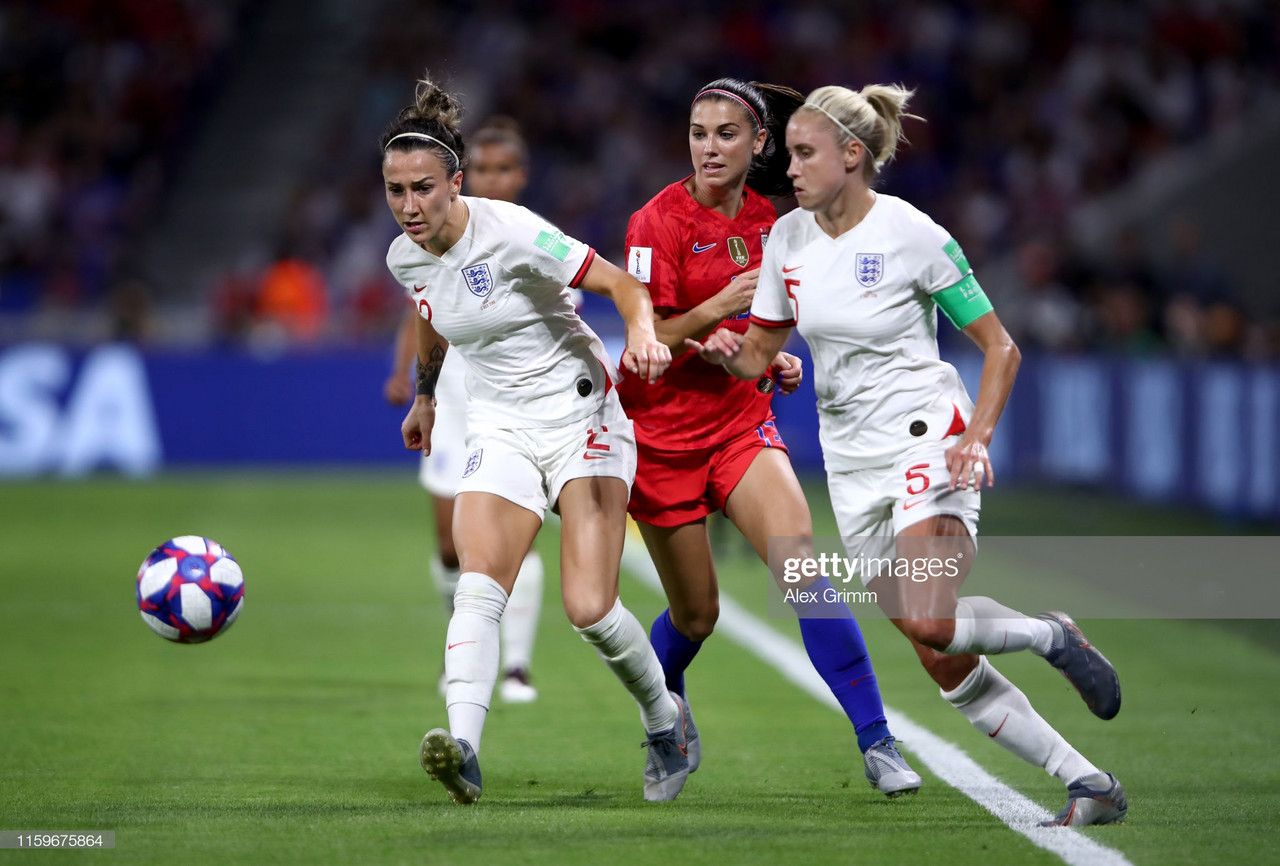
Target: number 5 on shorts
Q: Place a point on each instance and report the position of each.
(914, 474)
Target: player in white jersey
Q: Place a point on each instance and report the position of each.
(496, 169)
(860, 274)
(544, 428)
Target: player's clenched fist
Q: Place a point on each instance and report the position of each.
(787, 372)
(647, 358)
(417, 425)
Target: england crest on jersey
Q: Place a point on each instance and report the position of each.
(473, 462)
(870, 268)
(479, 280)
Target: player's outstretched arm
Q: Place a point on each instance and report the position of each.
(417, 425)
(644, 355)
(968, 458)
(746, 356)
(700, 321)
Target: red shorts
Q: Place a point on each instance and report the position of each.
(673, 488)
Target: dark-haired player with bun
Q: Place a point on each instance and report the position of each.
(706, 441)
(544, 428)
(496, 168)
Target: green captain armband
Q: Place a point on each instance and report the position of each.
(964, 302)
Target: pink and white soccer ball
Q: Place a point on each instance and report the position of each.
(190, 589)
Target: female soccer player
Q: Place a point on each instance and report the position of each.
(544, 428)
(496, 169)
(860, 273)
(707, 442)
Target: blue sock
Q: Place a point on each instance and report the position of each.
(839, 654)
(674, 650)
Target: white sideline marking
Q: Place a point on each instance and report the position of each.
(948, 762)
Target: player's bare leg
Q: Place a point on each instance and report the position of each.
(593, 518)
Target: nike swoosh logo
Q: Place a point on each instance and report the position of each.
(858, 680)
(907, 505)
(787, 270)
(419, 288)
(992, 735)
(589, 456)
(459, 643)
(703, 248)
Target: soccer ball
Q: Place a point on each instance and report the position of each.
(190, 589)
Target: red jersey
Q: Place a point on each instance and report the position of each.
(686, 253)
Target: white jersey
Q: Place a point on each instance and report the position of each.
(500, 297)
(864, 303)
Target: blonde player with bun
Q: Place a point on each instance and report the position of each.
(860, 274)
(498, 169)
(544, 428)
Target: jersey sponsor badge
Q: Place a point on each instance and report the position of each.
(473, 462)
(553, 243)
(870, 267)
(479, 280)
(640, 263)
(738, 252)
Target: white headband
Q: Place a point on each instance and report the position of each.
(852, 134)
(425, 137)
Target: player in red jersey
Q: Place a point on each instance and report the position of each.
(707, 441)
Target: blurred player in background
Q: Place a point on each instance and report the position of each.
(497, 169)
(860, 274)
(707, 441)
(544, 429)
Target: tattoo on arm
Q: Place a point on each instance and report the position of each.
(429, 373)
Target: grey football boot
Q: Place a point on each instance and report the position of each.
(1087, 805)
(452, 763)
(888, 772)
(667, 765)
(1083, 666)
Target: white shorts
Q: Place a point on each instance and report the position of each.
(873, 505)
(440, 471)
(530, 467)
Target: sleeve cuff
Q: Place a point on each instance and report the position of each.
(582, 271)
(770, 323)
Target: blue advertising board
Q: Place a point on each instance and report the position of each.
(1202, 433)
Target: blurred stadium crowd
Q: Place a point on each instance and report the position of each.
(1033, 109)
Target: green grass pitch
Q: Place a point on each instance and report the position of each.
(293, 737)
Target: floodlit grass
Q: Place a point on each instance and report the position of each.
(293, 737)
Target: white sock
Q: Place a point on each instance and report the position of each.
(622, 643)
(471, 654)
(1000, 710)
(986, 627)
(520, 620)
(446, 581)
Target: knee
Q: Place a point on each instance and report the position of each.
(697, 625)
(584, 612)
(936, 634)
